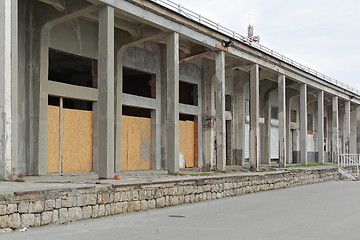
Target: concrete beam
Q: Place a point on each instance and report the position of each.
(173, 102)
(71, 91)
(254, 117)
(303, 123)
(347, 128)
(282, 119)
(220, 110)
(57, 4)
(335, 130)
(320, 128)
(106, 93)
(120, 24)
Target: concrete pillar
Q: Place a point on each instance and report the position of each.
(239, 116)
(358, 129)
(320, 128)
(254, 117)
(172, 129)
(303, 123)
(282, 119)
(242, 117)
(220, 110)
(208, 71)
(266, 127)
(106, 93)
(347, 128)
(9, 88)
(335, 129)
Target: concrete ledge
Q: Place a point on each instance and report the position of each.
(20, 209)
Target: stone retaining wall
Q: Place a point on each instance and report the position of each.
(28, 209)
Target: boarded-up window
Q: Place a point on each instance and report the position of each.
(136, 143)
(186, 144)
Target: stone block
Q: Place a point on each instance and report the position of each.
(50, 204)
(58, 203)
(151, 204)
(160, 202)
(137, 205)
(149, 194)
(4, 221)
(142, 195)
(117, 197)
(37, 220)
(112, 208)
(78, 214)
(86, 212)
(91, 199)
(11, 208)
(55, 216)
(143, 205)
(23, 207)
(67, 202)
(36, 207)
(2, 209)
(135, 195)
(107, 209)
(63, 215)
(95, 211)
(71, 214)
(46, 217)
(80, 200)
(27, 220)
(102, 210)
(14, 221)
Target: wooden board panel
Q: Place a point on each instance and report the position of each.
(77, 141)
(53, 139)
(136, 143)
(186, 144)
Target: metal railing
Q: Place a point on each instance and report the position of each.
(349, 160)
(232, 34)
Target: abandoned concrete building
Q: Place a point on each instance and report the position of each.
(112, 85)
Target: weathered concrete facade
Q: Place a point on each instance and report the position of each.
(193, 103)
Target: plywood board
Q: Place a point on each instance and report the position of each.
(53, 139)
(186, 143)
(77, 141)
(136, 143)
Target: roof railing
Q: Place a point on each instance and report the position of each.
(232, 34)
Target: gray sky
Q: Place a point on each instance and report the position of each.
(321, 34)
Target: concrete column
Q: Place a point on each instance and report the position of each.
(303, 123)
(172, 129)
(320, 130)
(254, 117)
(358, 129)
(9, 88)
(208, 71)
(347, 128)
(242, 117)
(335, 129)
(266, 130)
(220, 110)
(239, 116)
(106, 93)
(282, 119)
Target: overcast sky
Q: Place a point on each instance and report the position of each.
(321, 34)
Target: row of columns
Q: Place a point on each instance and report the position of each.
(106, 107)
